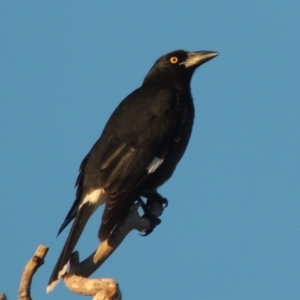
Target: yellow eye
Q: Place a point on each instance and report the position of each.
(174, 60)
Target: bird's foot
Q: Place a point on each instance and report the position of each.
(153, 208)
(155, 198)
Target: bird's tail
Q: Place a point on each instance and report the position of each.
(83, 214)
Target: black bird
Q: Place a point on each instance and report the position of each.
(138, 150)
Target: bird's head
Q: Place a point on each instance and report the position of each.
(177, 67)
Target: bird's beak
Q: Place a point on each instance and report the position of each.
(198, 58)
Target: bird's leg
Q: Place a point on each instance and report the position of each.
(153, 208)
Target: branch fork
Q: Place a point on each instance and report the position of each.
(76, 280)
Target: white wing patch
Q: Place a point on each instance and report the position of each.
(155, 163)
(96, 198)
(60, 274)
(51, 286)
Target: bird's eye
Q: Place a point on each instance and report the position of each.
(174, 60)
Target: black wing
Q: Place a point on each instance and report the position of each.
(141, 129)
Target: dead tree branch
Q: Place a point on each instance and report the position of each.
(3, 297)
(108, 289)
(76, 280)
(31, 267)
(101, 289)
(88, 266)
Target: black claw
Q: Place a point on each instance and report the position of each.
(155, 197)
(152, 199)
(147, 232)
(165, 202)
(153, 219)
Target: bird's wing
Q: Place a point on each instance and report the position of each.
(134, 144)
(74, 208)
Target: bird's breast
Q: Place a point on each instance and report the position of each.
(177, 143)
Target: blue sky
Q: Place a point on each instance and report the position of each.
(231, 230)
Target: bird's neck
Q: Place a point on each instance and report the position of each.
(168, 81)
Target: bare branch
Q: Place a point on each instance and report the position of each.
(76, 280)
(88, 266)
(3, 297)
(102, 289)
(105, 289)
(31, 267)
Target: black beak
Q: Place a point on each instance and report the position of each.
(198, 58)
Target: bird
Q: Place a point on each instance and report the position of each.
(138, 150)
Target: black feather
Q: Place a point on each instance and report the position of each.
(154, 121)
